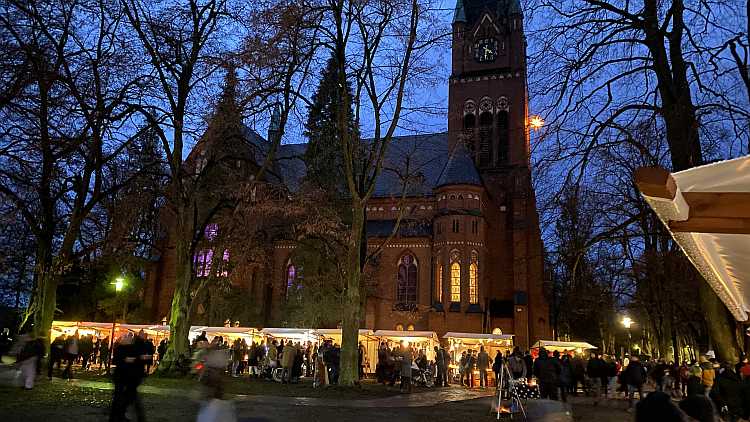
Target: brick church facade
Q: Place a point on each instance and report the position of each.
(473, 259)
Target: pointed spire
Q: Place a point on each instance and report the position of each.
(275, 125)
(459, 15)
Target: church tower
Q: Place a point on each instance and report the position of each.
(488, 113)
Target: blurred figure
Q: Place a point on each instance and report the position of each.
(547, 370)
(128, 358)
(658, 406)
(729, 394)
(483, 364)
(86, 347)
(104, 354)
(287, 362)
(71, 354)
(27, 353)
(149, 352)
(56, 353)
(634, 377)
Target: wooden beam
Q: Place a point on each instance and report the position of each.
(712, 225)
(655, 182)
(718, 204)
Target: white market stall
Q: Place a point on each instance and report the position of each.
(578, 347)
(707, 211)
(461, 342)
(227, 333)
(301, 335)
(419, 340)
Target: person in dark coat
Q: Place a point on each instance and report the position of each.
(129, 370)
(440, 365)
(566, 377)
(728, 394)
(596, 371)
(497, 368)
(529, 361)
(56, 353)
(104, 354)
(547, 370)
(634, 377)
(86, 348)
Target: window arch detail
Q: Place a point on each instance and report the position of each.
(406, 288)
(438, 294)
(474, 278)
(455, 265)
(291, 280)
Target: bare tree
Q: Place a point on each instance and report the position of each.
(609, 65)
(64, 119)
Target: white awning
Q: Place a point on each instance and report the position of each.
(478, 336)
(707, 210)
(563, 345)
(406, 334)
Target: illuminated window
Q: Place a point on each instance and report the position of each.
(455, 277)
(410, 327)
(406, 291)
(291, 276)
(474, 278)
(399, 327)
(439, 281)
(212, 230)
(202, 262)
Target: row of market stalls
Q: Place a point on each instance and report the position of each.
(424, 341)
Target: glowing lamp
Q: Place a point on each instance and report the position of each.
(119, 284)
(627, 322)
(536, 122)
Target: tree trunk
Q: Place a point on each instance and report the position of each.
(353, 300)
(179, 322)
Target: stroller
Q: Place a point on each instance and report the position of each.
(422, 377)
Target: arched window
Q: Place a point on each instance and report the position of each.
(485, 143)
(469, 121)
(410, 327)
(291, 278)
(502, 136)
(439, 279)
(406, 291)
(399, 327)
(455, 277)
(474, 278)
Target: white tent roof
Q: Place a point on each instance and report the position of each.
(708, 213)
(478, 336)
(337, 332)
(290, 332)
(229, 330)
(563, 345)
(406, 334)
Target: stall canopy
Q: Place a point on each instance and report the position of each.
(296, 334)
(232, 333)
(366, 338)
(506, 339)
(707, 210)
(563, 345)
(423, 340)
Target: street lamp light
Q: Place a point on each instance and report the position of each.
(627, 322)
(536, 122)
(119, 287)
(119, 284)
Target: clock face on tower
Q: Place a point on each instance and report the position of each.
(485, 50)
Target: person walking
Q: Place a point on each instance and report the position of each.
(728, 394)
(104, 354)
(440, 365)
(407, 358)
(497, 368)
(71, 354)
(547, 370)
(86, 348)
(483, 364)
(462, 368)
(471, 362)
(27, 351)
(634, 377)
(566, 377)
(707, 374)
(56, 353)
(446, 365)
(287, 362)
(517, 366)
(595, 370)
(129, 369)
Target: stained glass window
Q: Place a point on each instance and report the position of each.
(474, 278)
(406, 291)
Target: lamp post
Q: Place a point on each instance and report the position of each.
(119, 284)
(627, 322)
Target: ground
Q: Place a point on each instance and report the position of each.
(165, 399)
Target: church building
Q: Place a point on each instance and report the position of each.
(473, 259)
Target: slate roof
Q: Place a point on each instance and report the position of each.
(473, 9)
(407, 228)
(424, 160)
